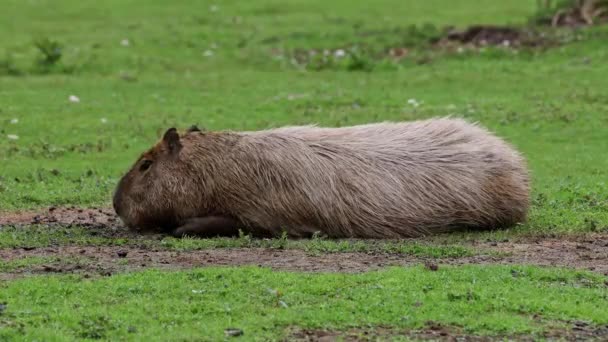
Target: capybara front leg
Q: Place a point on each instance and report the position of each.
(208, 226)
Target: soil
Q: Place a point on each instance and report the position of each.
(581, 13)
(86, 217)
(579, 331)
(588, 252)
(108, 260)
(488, 35)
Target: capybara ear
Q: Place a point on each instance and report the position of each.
(193, 128)
(171, 140)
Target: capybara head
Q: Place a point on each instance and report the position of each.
(159, 182)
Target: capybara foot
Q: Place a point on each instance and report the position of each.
(208, 226)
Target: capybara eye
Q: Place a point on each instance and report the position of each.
(145, 165)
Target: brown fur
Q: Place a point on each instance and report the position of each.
(383, 180)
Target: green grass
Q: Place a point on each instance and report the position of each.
(200, 304)
(229, 67)
(25, 262)
(42, 236)
(549, 104)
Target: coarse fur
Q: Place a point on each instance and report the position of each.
(380, 180)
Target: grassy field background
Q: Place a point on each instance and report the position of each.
(549, 104)
(186, 306)
(140, 67)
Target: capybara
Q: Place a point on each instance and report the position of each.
(380, 180)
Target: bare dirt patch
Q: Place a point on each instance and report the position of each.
(109, 260)
(584, 252)
(106, 260)
(87, 217)
(588, 252)
(577, 13)
(578, 331)
(488, 35)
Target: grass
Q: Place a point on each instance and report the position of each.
(25, 262)
(139, 67)
(201, 304)
(549, 104)
(39, 236)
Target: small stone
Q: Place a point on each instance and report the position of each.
(431, 266)
(48, 268)
(580, 325)
(233, 332)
